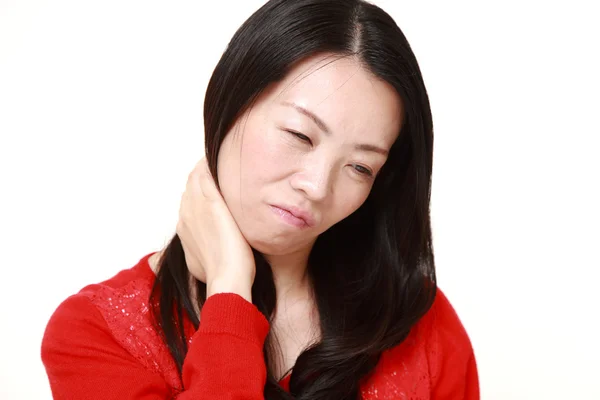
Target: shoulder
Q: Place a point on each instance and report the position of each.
(126, 284)
(106, 329)
(84, 309)
(95, 314)
(435, 360)
(109, 322)
(140, 272)
(74, 323)
(442, 322)
(448, 349)
(437, 336)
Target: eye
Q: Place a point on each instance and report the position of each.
(300, 136)
(362, 170)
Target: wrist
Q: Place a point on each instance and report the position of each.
(234, 285)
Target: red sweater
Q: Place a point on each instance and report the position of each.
(100, 344)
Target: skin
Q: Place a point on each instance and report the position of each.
(278, 154)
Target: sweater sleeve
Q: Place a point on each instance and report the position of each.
(224, 361)
(452, 360)
(226, 357)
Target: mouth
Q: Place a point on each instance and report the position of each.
(295, 216)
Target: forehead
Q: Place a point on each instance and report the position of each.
(350, 99)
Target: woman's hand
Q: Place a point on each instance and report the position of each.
(215, 250)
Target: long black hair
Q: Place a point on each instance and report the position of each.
(373, 273)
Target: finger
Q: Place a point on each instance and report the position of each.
(203, 162)
(200, 168)
(207, 183)
(193, 185)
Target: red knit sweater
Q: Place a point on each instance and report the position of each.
(100, 344)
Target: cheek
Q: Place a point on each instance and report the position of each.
(263, 154)
(346, 202)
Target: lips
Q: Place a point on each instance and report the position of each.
(304, 215)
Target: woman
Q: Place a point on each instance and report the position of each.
(302, 267)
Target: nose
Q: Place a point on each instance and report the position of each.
(315, 180)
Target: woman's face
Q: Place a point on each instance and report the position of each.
(306, 154)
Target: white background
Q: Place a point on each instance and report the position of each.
(101, 121)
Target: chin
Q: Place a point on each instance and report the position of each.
(278, 246)
(271, 248)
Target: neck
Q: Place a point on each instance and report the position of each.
(290, 275)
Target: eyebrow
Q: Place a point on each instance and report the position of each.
(323, 126)
(372, 148)
(318, 121)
